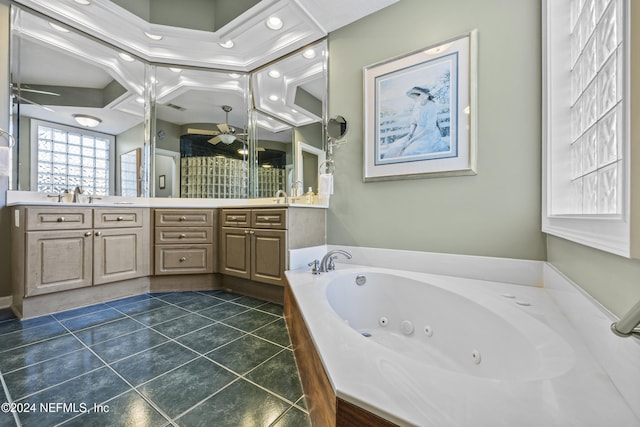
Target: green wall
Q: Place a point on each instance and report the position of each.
(496, 212)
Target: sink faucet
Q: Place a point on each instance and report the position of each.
(327, 263)
(282, 193)
(76, 193)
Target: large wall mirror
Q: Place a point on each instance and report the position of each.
(84, 110)
(73, 100)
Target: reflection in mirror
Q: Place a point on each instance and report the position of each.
(293, 90)
(201, 115)
(58, 77)
(337, 127)
(130, 173)
(274, 156)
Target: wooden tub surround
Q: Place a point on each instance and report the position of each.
(325, 408)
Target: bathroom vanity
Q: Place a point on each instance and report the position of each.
(71, 255)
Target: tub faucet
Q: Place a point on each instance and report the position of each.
(282, 193)
(629, 324)
(76, 193)
(327, 263)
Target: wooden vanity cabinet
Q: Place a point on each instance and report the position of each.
(74, 247)
(184, 241)
(254, 243)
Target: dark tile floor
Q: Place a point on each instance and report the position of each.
(185, 359)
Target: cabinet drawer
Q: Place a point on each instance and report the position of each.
(269, 218)
(184, 235)
(175, 259)
(58, 218)
(117, 218)
(183, 217)
(236, 217)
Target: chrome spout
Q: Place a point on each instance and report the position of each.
(327, 263)
(282, 193)
(629, 324)
(76, 192)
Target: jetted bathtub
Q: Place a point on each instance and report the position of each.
(431, 350)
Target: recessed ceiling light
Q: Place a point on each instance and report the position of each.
(83, 2)
(234, 75)
(274, 73)
(309, 53)
(227, 45)
(140, 100)
(155, 37)
(273, 98)
(175, 70)
(274, 23)
(58, 27)
(86, 120)
(126, 57)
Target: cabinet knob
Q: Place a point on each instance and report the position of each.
(61, 219)
(183, 259)
(183, 218)
(87, 234)
(183, 236)
(233, 218)
(246, 231)
(98, 233)
(120, 218)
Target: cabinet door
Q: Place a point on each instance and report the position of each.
(268, 255)
(118, 255)
(235, 252)
(58, 261)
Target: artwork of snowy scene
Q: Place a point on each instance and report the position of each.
(416, 112)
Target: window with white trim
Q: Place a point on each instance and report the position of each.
(585, 120)
(66, 157)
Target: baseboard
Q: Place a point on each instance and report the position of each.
(5, 302)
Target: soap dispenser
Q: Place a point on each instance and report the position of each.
(310, 196)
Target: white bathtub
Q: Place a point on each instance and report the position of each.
(432, 350)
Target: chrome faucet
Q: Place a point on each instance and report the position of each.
(76, 193)
(629, 324)
(327, 263)
(282, 193)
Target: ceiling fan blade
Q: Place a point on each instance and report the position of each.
(202, 131)
(42, 92)
(215, 140)
(224, 128)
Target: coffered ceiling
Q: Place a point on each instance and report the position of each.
(253, 42)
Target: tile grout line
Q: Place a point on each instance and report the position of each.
(10, 401)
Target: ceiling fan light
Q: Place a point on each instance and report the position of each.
(243, 151)
(227, 138)
(86, 120)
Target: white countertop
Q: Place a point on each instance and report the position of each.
(21, 198)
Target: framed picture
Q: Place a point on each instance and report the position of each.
(420, 113)
(162, 182)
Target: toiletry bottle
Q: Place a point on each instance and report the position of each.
(310, 196)
(67, 196)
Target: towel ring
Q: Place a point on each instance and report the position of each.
(12, 140)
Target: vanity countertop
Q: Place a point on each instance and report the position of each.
(23, 198)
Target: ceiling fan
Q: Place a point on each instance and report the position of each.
(225, 133)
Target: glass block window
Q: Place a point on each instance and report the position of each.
(596, 114)
(67, 157)
(586, 125)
